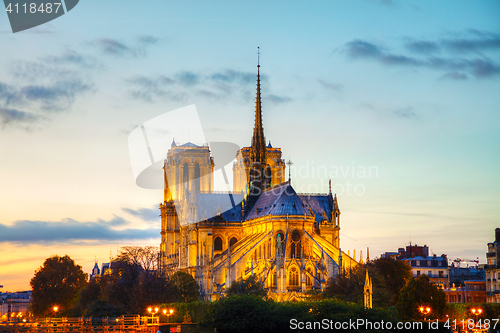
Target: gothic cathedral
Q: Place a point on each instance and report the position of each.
(289, 241)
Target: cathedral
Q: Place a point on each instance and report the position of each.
(289, 241)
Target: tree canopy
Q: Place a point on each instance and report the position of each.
(388, 277)
(57, 282)
(249, 286)
(186, 288)
(420, 292)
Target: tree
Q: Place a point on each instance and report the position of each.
(250, 286)
(396, 274)
(242, 314)
(388, 277)
(186, 288)
(57, 282)
(145, 257)
(420, 292)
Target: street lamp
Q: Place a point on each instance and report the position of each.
(476, 311)
(170, 312)
(424, 310)
(153, 312)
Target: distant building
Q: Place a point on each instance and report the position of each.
(95, 271)
(436, 268)
(492, 270)
(417, 257)
(458, 275)
(14, 306)
(471, 292)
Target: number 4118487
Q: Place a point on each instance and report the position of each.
(47, 7)
(470, 324)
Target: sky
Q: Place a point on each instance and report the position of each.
(397, 102)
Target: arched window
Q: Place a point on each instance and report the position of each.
(185, 173)
(197, 177)
(295, 245)
(233, 241)
(308, 277)
(218, 244)
(293, 280)
(268, 175)
(281, 238)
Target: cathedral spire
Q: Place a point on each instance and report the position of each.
(258, 140)
(258, 180)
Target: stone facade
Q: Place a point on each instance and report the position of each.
(492, 270)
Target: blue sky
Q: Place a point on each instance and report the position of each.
(410, 88)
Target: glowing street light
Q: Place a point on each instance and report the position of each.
(168, 313)
(476, 311)
(424, 310)
(153, 312)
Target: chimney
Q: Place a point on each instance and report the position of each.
(497, 235)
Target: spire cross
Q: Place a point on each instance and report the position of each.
(258, 56)
(289, 163)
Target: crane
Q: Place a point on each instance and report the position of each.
(458, 261)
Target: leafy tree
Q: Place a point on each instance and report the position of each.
(186, 288)
(57, 282)
(153, 290)
(388, 277)
(249, 286)
(396, 274)
(241, 313)
(117, 287)
(420, 292)
(89, 294)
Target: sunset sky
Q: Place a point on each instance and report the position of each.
(409, 90)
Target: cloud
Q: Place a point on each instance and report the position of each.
(180, 85)
(463, 45)
(114, 47)
(423, 47)
(478, 66)
(69, 230)
(188, 78)
(362, 49)
(407, 113)
(13, 116)
(275, 99)
(230, 76)
(54, 97)
(331, 86)
(72, 57)
(454, 75)
(146, 214)
(147, 40)
(39, 89)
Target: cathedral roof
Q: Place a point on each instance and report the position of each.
(278, 200)
(214, 205)
(319, 204)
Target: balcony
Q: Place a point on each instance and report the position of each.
(491, 254)
(497, 266)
